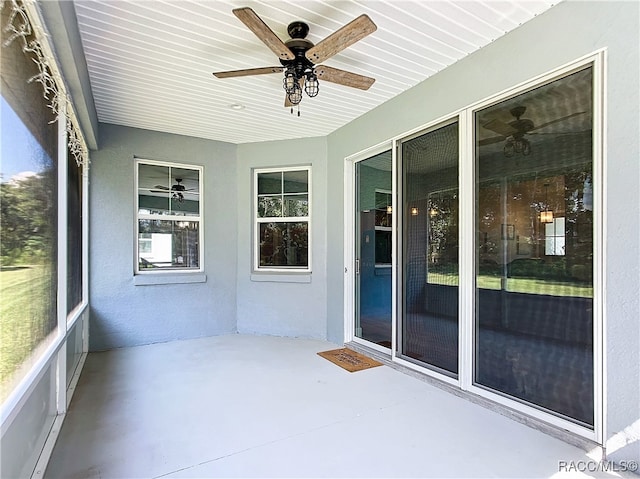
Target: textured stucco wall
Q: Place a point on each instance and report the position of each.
(566, 32)
(123, 314)
(277, 306)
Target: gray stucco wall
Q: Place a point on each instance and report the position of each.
(275, 303)
(563, 34)
(123, 314)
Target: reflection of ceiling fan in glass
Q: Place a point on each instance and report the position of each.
(177, 190)
(513, 133)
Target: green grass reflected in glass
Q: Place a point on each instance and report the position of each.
(518, 285)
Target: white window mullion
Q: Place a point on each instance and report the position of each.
(63, 172)
(599, 257)
(466, 293)
(395, 248)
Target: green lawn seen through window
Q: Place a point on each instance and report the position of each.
(24, 294)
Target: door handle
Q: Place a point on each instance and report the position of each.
(357, 266)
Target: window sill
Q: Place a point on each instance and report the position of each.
(281, 277)
(153, 279)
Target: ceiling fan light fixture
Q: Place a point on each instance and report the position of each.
(290, 81)
(312, 86)
(295, 95)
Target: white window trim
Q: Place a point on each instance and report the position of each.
(272, 273)
(170, 275)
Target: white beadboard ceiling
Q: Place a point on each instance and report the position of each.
(151, 62)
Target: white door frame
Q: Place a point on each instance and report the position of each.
(349, 244)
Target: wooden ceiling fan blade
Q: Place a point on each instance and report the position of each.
(491, 141)
(248, 72)
(340, 39)
(558, 120)
(254, 23)
(500, 127)
(342, 77)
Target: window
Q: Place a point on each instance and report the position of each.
(74, 233)
(169, 217)
(282, 206)
(384, 221)
(29, 217)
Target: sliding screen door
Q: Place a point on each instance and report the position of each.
(534, 270)
(429, 329)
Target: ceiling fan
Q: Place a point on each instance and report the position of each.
(177, 190)
(299, 56)
(513, 133)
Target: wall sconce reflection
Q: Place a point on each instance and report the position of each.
(546, 216)
(414, 211)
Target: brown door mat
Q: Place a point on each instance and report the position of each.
(349, 360)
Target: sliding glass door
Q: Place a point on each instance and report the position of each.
(534, 264)
(429, 328)
(373, 248)
(497, 250)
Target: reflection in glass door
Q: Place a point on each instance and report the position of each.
(534, 272)
(373, 249)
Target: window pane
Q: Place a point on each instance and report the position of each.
(153, 189)
(383, 247)
(534, 283)
(185, 187)
(296, 205)
(168, 244)
(429, 331)
(284, 244)
(383, 200)
(270, 207)
(28, 218)
(74, 233)
(269, 183)
(296, 181)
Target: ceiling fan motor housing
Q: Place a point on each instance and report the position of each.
(300, 63)
(298, 29)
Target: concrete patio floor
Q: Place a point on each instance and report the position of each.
(260, 406)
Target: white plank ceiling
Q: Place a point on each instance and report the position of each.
(151, 62)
